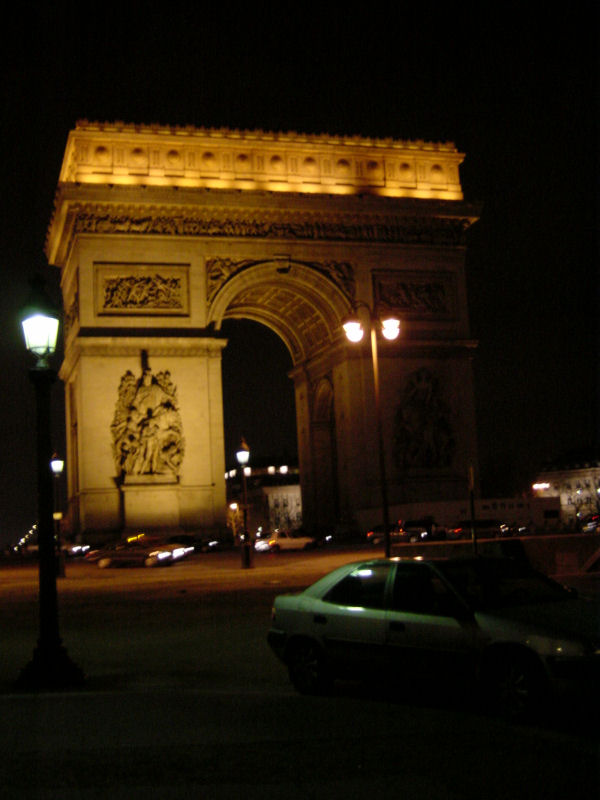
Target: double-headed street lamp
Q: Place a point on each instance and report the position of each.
(50, 667)
(243, 456)
(389, 325)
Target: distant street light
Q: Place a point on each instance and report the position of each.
(233, 519)
(243, 455)
(50, 667)
(57, 465)
(389, 325)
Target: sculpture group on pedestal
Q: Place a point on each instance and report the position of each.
(146, 429)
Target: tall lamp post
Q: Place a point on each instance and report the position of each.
(57, 465)
(389, 326)
(51, 666)
(243, 455)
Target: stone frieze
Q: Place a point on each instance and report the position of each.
(269, 224)
(416, 295)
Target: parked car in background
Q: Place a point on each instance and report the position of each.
(285, 540)
(590, 523)
(375, 535)
(484, 529)
(492, 621)
(415, 530)
(423, 530)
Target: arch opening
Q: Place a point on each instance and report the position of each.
(258, 395)
(304, 309)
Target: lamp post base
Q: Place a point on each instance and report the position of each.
(60, 564)
(246, 555)
(50, 669)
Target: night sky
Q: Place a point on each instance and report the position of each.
(517, 94)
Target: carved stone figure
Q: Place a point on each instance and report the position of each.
(146, 428)
(423, 437)
(150, 291)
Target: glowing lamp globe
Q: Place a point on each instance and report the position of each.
(40, 320)
(243, 454)
(354, 330)
(390, 328)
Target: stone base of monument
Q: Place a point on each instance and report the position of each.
(150, 501)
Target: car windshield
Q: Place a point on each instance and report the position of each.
(489, 585)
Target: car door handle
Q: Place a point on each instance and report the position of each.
(320, 619)
(397, 626)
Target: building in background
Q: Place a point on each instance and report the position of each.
(576, 482)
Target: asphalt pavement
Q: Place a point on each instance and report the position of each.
(184, 699)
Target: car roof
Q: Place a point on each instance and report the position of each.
(332, 577)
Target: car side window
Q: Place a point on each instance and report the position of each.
(418, 590)
(364, 587)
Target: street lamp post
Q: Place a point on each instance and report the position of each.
(51, 666)
(57, 465)
(243, 455)
(390, 328)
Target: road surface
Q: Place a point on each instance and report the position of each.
(184, 699)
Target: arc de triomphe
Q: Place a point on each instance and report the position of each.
(162, 233)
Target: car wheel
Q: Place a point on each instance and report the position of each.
(514, 684)
(275, 548)
(103, 563)
(307, 669)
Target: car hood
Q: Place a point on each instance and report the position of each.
(574, 617)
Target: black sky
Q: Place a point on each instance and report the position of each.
(516, 90)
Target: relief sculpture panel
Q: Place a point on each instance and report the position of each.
(146, 430)
(424, 436)
(142, 289)
(417, 295)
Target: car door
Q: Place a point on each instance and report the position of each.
(285, 541)
(429, 630)
(351, 619)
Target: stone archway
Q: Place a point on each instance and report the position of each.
(161, 234)
(304, 304)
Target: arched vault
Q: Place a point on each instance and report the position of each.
(302, 305)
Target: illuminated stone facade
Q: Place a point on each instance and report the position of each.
(576, 484)
(161, 233)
